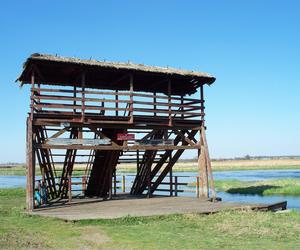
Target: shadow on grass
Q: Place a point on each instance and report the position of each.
(251, 189)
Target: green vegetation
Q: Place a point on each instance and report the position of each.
(268, 187)
(227, 230)
(13, 170)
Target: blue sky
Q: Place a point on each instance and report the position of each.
(252, 47)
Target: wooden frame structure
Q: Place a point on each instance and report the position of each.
(78, 108)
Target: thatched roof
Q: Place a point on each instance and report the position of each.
(56, 70)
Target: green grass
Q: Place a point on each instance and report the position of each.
(13, 170)
(226, 230)
(268, 187)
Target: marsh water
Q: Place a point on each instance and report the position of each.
(244, 175)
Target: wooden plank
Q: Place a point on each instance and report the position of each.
(60, 132)
(71, 106)
(79, 99)
(131, 99)
(169, 103)
(103, 136)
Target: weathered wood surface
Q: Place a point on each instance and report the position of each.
(122, 206)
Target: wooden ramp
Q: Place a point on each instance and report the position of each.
(139, 206)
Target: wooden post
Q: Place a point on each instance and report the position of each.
(182, 107)
(169, 103)
(70, 188)
(137, 162)
(208, 163)
(171, 178)
(74, 102)
(123, 183)
(203, 174)
(149, 180)
(154, 105)
(39, 93)
(32, 95)
(83, 97)
(131, 99)
(197, 186)
(202, 102)
(30, 166)
(176, 185)
(117, 103)
(83, 184)
(115, 183)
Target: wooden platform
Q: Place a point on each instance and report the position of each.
(132, 206)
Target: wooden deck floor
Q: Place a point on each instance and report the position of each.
(132, 206)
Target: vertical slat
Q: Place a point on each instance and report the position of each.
(197, 186)
(115, 183)
(171, 177)
(74, 102)
(169, 103)
(117, 103)
(149, 180)
(83, 97)
(32, 95)
(123, 183)
(70, 188)
(137, 161)
(202, 101)
(182, 108)
(154, 101)
(131, 98)
(176, 185)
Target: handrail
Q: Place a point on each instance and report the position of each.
(87, 105)
(119, 93)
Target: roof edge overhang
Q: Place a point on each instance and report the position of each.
(66, 71)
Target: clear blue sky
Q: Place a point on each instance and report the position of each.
(252, 47)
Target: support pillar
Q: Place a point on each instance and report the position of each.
(205, 169)
(30, 166)
(204, 190)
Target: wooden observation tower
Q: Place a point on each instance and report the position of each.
(101, 114)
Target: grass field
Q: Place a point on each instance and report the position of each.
(268, 187)
(226, 230)
(188, 166)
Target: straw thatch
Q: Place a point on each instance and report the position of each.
(56, 70)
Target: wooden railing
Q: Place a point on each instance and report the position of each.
(177, 185)
(81, 104)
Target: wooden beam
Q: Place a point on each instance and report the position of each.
(184, 138)
(83, 96)
(204, 191)
(169, 102)
(103, 136)
(112, 147)
(131, 99)
(57, 134)
(30, 166)
(208, 162)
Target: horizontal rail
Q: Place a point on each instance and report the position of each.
(119, 93)
(82, 105)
